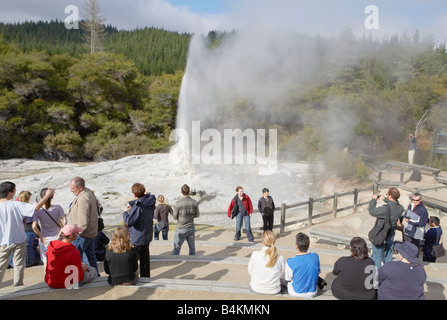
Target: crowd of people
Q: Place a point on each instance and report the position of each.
(70, 248)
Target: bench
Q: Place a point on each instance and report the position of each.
(210, 286)
(342, 241)
(441, 180)
(435, 172)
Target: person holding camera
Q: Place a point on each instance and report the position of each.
(384, 253)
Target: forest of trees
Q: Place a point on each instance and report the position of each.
(59, 102)
(154, 51)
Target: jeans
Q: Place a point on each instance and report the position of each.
(384, 253)
(239, 218)
(180, 236)
(85, 248)
(164, 232)
(416, 242)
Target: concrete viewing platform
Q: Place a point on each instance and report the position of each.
(219, 269)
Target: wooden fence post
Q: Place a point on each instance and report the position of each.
(375, 188)
(311, 209)
(283, 218)
(335, 206)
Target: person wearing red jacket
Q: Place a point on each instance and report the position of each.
(241, 208)
(64, 265)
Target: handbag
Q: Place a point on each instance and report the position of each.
(439, 250)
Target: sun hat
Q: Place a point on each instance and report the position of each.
(69, 229)
(408, 251)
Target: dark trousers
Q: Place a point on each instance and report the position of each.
(268, 222)
(144, 257)
(416, 242)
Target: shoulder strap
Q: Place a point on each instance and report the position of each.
(51, 217)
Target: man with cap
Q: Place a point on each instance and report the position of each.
(64, 265)
(403, 279)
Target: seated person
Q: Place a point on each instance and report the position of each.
(266, 267)
(403, 279)
(121, 262)
(62, 254)
(352, 274)
(301, 271)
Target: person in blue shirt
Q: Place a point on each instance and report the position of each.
(302, 271)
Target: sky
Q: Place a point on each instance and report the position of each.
(322, 17)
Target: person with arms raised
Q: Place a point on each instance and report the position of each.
(12, 229)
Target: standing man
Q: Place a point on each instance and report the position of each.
(384, 253)
(412, 148)
(186, 209)
(415, 220)
(266, 207)
(12, 229)
(139, 218)
(84, 213)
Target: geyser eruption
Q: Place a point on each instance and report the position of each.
(241, 82)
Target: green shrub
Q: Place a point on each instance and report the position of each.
(64, 146)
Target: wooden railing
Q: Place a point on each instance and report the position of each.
(311, 215)
(310, 204)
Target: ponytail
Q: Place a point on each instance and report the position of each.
(42, 194)
(268, 239)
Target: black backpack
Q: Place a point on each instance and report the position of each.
(416, 176)
(379, 233)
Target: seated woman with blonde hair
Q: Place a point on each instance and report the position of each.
(266, 267)
(121, 261)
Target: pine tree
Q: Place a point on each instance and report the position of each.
(93, 25)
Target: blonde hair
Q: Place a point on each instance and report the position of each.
(24, 196)
(120, 241)
(161, 199)
(268, 239)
